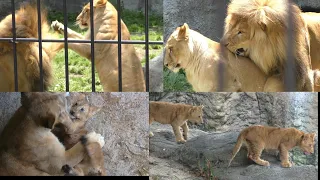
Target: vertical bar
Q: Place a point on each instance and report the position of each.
(40, 44)
(66, 54)
(119, 45)
(147, 43)
(14, 45)
(289, 75)
(92, 47)
(221, 12)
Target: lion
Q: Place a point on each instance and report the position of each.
(106, 56)
(313, 23)
(258, 28)
(27, 145)
(80, 111)
(200, 57)
(177, 115)
(27, 52)
(257, 138)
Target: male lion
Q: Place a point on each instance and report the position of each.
(106, 55)
(27, 52)
(27, 145)
(177, 115)
(199, 56)
(258, 29)
(257, 138)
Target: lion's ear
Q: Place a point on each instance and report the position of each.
(183, 32)
(99, 3)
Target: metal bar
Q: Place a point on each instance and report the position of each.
(66, 54)
(92, 47)
(289, 75)
(14, 46)
(221, 12)
(40, 45)
(80, 41)
(147, 43)
(119, 45)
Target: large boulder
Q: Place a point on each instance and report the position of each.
(155, 74)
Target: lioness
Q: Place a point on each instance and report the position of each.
(26, 19)
(199, 56)
(258, 29)
(27, 145)
(106, 55)
(257, 138)
(177, 115)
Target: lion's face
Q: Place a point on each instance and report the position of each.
(177, 50)
(196, 115)
(307, 143)
(83, 19)
(237, 37)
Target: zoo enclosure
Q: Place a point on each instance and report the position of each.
(14, 40)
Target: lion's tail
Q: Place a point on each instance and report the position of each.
(237, 146)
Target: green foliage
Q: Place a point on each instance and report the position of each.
(175, 81)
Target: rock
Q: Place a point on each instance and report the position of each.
(155, 74)
(206, 17)
(122, 121)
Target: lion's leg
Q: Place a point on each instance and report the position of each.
(274, 84)
(256, 150)
(177, 133)
(76, 154)
(83, 49)
(284, 156)
(151, 119)
(59, 27)
(185, 130)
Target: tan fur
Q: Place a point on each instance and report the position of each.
(27, 52)
(200, 57)
(258, 28)
(80, 112)
(176, 115)
(257, 138)
(27, 145)
(106, 55)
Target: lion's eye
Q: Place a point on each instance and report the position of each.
(82, 109)
(240, 32)
(170, 50)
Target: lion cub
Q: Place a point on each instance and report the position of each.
(80, 111)
(257, 138)
(177, 115)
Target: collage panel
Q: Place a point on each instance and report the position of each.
(78, 53)
(74, 134)
(222, 135)
(241, 45)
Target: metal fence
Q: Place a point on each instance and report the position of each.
(15, 40)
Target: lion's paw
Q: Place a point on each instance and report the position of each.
(94, 137)
(182, 141)
(57, 26)
(151, 134)
(286, 164)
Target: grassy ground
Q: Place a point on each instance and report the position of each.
(175, 82)
(80, 68)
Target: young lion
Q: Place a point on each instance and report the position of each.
(27, 52)
(80, 112)
(177, 115)
(27, 145)
(199, 56)
(258, 29)
(106, 56)
(257, 138)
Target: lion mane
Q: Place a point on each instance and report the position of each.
(258, 28)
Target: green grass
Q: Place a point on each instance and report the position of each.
(175, 82)
(80, 68)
